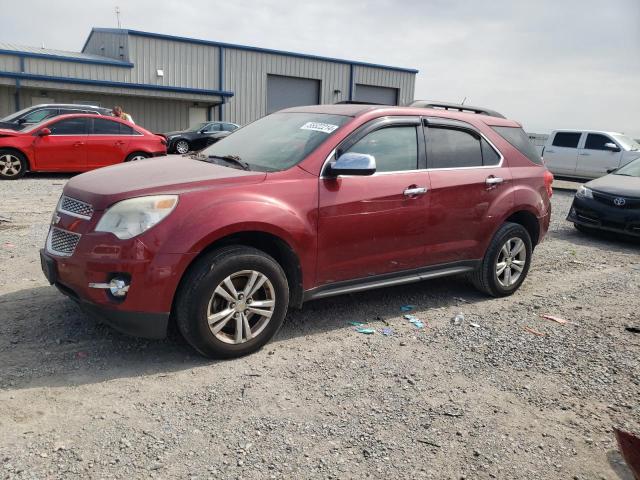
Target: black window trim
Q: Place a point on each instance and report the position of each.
(581, 135)
(466, 127)
(602, 134)
(372, 126)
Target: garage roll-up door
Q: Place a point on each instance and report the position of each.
(382, 95)
(285, 92)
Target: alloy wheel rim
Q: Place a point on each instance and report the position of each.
(511, 261)
(138, 157)
(182, 147)
(10, 165)
(241, 307)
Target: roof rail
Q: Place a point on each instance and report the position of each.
(356, 102)
(455, 106)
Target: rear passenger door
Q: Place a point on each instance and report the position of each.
(562, 155)
(106, 143)
(470, 187)
(594, 158)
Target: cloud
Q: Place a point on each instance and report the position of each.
(547, 63)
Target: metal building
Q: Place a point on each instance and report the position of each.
(168, 83)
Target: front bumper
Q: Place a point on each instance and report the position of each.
(145, 310)
(594, 214)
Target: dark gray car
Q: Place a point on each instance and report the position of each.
(44, 111)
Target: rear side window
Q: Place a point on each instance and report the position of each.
(394, 148)
(126, 130)
(453, 148)
(596, 142)
(520, 140)
(105, 127)
(566, 139)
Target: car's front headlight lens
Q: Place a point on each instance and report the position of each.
(584, 192)
(131, 217)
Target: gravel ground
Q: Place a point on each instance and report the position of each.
(484, 399)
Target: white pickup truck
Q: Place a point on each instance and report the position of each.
(587, 153)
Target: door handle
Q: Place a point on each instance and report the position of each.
(550, 151)
(493, 181)
(413, 191)
(78, 144)
(119, 142)
(584, 154)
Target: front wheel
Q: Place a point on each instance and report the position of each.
(232, 302)
(13, 165)
(506, 262)
(182, 147)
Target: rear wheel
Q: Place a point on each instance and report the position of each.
(13, 165)
(135, 156)
(182, 147)
(232, 302)
(506, 262)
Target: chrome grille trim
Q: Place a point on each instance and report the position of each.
(62, 242)
(75, 208)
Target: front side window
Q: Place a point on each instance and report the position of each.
(596, 141)
(212, 127)
(278, 141)
(105, 127)
(69, 126)
(229, 127)
(566, 139)
(394, 148)
(40, 115)
(453, 148)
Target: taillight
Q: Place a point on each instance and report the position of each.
(548, 181)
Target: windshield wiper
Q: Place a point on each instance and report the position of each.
(624, 174)
(232, 159)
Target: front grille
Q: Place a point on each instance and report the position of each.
(75, 208)
(62, 242)
(607, 199)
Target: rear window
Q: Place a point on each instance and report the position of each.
(566, 139)
(520, 140)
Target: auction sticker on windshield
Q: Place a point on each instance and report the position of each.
(319, 127)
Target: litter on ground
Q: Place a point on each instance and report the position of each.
(406, 308)
(387, 332)
(458, 319)
(366, 331)
(535, 332)
(554, 319)
(414, 320)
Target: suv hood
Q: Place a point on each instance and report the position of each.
(616, 185)
(170, 174)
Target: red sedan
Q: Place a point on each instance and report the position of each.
(75, 143)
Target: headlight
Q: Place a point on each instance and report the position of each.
(131, 217)
(584, 192)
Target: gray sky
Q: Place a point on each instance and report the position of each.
(546, 63)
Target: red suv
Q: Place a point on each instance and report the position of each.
(75, 143)
(306, 203)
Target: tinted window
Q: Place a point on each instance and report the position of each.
(489, 155)
(213, 127)
(105, 127)
(566, 139)
(451, 148)
(126, 130)
(394, 148)
(40, 115)
(596, 142)
(69, 126)
(520, 140)
(229, 127)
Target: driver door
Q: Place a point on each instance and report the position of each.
(373, 225)
(594, 159)
(66, 147)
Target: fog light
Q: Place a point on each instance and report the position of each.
(117, 286)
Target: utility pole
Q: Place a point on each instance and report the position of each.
(118, 16)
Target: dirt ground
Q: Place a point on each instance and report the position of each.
(484, 399)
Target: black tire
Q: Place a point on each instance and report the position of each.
(485, 278)
(178, 146)
(196, 294)
(13, 164)
(135, 156)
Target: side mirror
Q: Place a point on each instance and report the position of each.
(612, 146)
(21, 121)
(43, 132)
(352, 163)
(611, 170)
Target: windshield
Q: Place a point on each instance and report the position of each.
(631, 169)
(198, 127)
(13, 116)
(279, 141)
(627, 143)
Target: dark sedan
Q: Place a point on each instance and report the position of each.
(198, 136)
(44, 111)
(610, 203)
